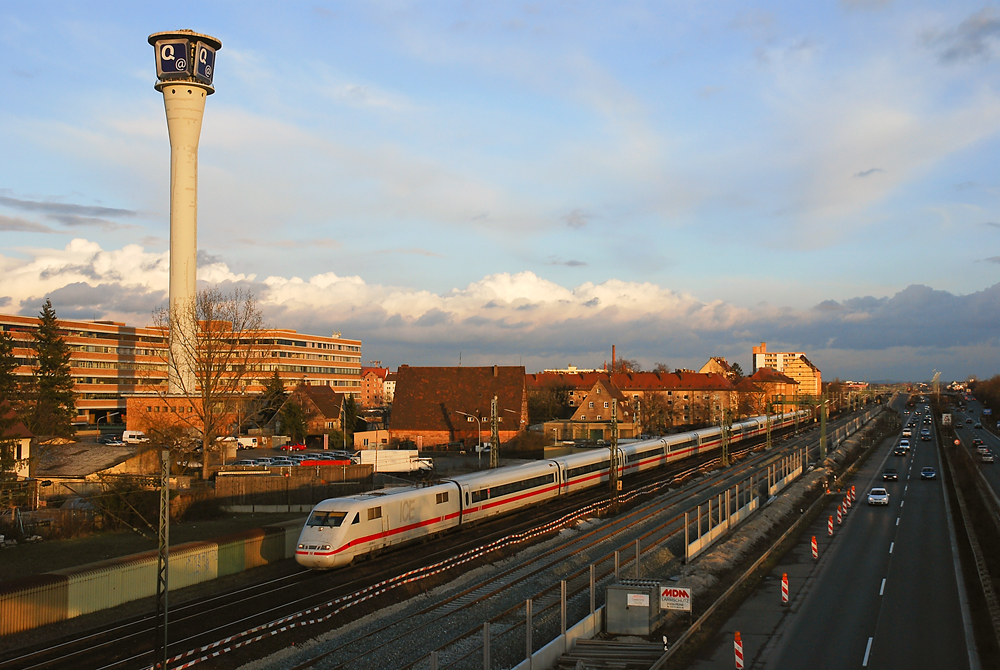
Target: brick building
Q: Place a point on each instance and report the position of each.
(373, 387)
(436, 406)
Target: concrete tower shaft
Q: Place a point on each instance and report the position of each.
(185, 106)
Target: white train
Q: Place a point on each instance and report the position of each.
(339, 529)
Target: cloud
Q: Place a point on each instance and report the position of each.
(577, 218)
(868, 173)
(991, 224)
(17, 224)
(993, 259)
(509, 317)
(975, 38)
(853, 5)
(63, 208)
(569, 263)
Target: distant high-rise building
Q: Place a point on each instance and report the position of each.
(793, 364)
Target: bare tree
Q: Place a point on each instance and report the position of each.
(228, 350)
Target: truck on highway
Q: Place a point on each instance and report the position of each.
(394, 460)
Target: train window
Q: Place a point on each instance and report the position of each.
(584, 469)
(333, 519)
(442, 498)
(480, 495)
(644, 454)
(682, 445)
(357, 519)
(374, 513)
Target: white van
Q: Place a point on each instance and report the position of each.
(248, 442)
(134, 437)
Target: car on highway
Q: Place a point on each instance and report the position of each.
(907, 432)
(878, 496)
(968, 421)
(978, 426)
(982, 448)
(986, 456)
(904, 443)
(298, 446)
(890, 474)
(899, 451)
(925, 438)
(928, 473)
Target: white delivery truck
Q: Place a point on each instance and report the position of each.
(394, 460)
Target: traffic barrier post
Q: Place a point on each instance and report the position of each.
(784, 588)
(829, 526)
(738, 651)
(840, 515)
(815, 548)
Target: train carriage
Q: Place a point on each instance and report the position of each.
(584, 470)
(485, 494)
(339, 529)
(642, 456)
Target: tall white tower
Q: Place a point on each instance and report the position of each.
(185, 66)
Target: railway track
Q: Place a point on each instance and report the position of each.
(208, 626)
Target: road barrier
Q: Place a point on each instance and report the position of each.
(738, 651)
(829, 526)
(815, 548)
(784, 588)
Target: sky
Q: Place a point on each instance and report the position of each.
(530, 183)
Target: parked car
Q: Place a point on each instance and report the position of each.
(283, 463)
(298, 446)
(878, 496)
(928, 473)
(890, 474)
(111, 440)
(245, 461)
(134, 437)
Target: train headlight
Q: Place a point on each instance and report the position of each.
(327, 547)
(302, 546)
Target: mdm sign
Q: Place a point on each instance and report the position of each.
(675, 598)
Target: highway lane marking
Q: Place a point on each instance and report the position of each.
(868, 650)
(897, 520)
(906, 487)
(901, 502)
(882, 588)
(891, 545)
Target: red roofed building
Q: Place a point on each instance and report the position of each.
(688, 397)
(592, 418)
(321, 405)
(778, 389)
(436, 406)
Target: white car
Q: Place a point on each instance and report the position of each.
(878, 496)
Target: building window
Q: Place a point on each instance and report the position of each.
(149, 408)
(606, 405)
(470, 419)
(598, 417)
(591, 405)
(583, 417)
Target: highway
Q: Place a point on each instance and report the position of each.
(884, 593)
(966, 432)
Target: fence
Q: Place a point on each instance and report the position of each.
(262, 491)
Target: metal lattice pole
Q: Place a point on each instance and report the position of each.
(494, 435)
(613, 464)
(163, 561)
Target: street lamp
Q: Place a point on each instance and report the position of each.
(479, 426)
(107, 417)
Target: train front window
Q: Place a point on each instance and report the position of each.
(333, 519)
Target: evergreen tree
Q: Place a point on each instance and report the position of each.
(293, 421)
(8, 381)
(54, 405)
(272, 398)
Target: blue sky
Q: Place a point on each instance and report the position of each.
(531, 183)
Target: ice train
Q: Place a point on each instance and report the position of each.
(340, 529)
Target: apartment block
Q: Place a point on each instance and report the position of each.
(110, 361)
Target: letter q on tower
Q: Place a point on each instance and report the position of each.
(184, 55)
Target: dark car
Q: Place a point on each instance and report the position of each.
(890, 474)
(928, 473)
(968, 421)
(110, 440)
(978, 426)
(925, 438)
(976, 441)
(899, 451)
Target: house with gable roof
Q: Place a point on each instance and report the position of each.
(442, 406)
(591, 419)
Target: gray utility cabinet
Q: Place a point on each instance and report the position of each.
(633, 607)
